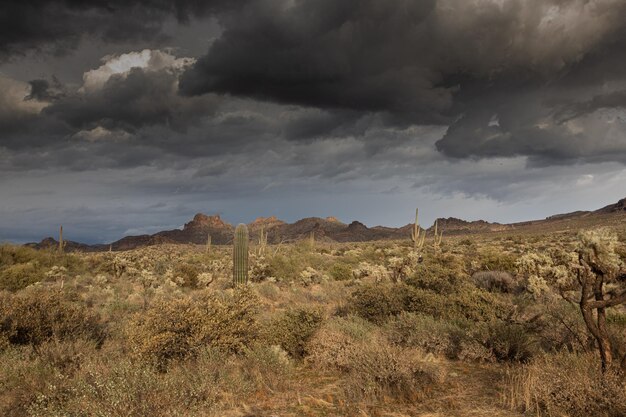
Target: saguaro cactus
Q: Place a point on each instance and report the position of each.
(417, 235)
(240, 255)
(438, 237)
(61, 243)
(262, 241)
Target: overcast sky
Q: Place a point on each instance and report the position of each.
(121, 117)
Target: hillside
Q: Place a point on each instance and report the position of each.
(330, 229)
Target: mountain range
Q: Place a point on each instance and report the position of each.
(328, 229)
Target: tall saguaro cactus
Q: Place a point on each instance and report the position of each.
(240, 255)
(417, 235)
(61, 243)
(438, 237)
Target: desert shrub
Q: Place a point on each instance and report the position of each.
(332, 345)
(376, 303)
(35, 317)
(510, 342)
(292, 329)
(268, 366)
(186, 275)
(18, 276)
(470, 303)
(112, 385)
(177, 329)
(377, 369)
(21, 376)
(341, 272)
(568, 384)
(494, 281)
(124, 388)
(495, 260)
(424, 332)
(21, 266)
(437, 278)
(372, 367)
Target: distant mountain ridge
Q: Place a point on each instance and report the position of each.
(328, 229)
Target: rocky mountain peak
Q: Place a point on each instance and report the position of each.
(266, 222)
(203, 221)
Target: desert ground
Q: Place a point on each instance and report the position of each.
(478, 324)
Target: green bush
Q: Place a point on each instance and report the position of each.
(469, 304)
(188, 274)
(176, 330)
(35, 317)
(21, 266)
(436, 278)
(495, 260)
(376, 303)
(293, 328)
(341, 272)
(19, 276)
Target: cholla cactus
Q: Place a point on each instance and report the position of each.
(539, 269)
(56, 273)
(366, 270)
(401, 267)
(312, 276)
(240, 255)
(205, 279)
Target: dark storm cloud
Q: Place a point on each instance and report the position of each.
(128, 102)
(452, 62)
(349, 54)
(536, 78)
(57, 25)
(44, 90)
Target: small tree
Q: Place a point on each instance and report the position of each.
(600, 278)
(593, 277)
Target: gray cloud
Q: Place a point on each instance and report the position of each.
(431, 62)
(57, 26)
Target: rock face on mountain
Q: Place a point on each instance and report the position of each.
(328, 229)
(618, 207)
(452, 225)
